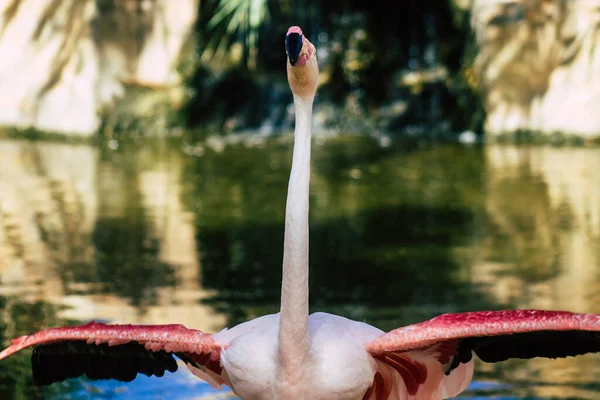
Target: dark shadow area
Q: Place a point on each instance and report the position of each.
(127, 262)
(373, 261)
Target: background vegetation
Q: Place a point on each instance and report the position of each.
(406, 67)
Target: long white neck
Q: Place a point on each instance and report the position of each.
(294, 340)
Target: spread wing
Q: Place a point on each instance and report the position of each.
(449, 341)
(104, 351)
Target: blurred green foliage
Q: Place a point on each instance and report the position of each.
(396, 65)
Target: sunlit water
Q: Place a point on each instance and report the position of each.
(167, 233)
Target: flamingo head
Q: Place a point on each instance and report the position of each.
(302, 68)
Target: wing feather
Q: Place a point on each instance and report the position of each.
(434, 358)
(448, 327)
(103, 351)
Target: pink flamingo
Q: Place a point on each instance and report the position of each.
(294, 355)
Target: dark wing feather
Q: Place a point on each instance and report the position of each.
(56, 362)
(548, 344)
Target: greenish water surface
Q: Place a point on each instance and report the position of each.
(164, 232)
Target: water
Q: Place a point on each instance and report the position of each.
(157, 232)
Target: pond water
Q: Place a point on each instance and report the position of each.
(161, 232)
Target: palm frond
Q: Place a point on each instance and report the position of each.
(235, 20)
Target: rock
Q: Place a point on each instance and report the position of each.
(538, 65)
(62, 62)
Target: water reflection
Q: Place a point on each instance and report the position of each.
(544, 218)
(147, 234)
(104, 232)
(385, 226)
(542, 251)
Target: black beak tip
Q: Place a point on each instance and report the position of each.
(293, 46)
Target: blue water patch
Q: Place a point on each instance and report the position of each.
(181, 385)
(483, 385)
(486, 386)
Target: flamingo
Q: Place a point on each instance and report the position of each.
(294, 355)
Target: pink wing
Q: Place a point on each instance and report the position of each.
(103, 351)
(450, 340)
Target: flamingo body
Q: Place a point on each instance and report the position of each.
(251, 359)
(293, 355)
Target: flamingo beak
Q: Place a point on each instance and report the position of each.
(293, 46)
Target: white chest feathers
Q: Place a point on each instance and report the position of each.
(338, 367)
